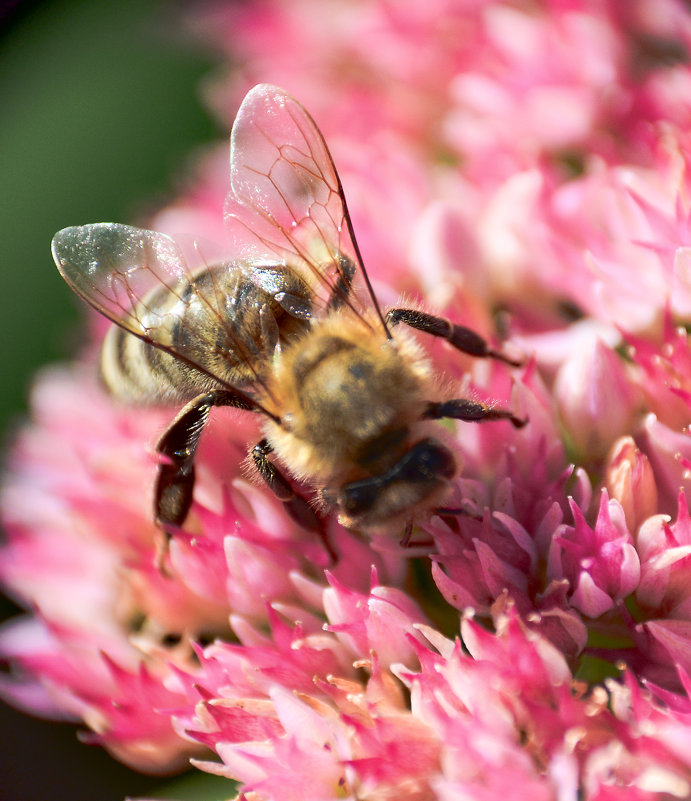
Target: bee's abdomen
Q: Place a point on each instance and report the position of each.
(137, 372)
(207, 334)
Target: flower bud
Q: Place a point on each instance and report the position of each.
(630, 479)
(595, 398)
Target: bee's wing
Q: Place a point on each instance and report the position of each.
(141, 280)
(286, 201)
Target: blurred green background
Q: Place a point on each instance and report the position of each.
(99, 109)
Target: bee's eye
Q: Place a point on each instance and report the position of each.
(426, 464)
(426, 459)
(359, 496)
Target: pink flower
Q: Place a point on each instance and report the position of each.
(597, 401)
(548, 74)
(665, 364)
(521, 169)
(601, 563)
(630, 480)
(669, 452)
(96, 584)
(663, 590)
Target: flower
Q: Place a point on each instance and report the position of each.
(584, 388)
(601, 563)
(528, 178)
(630, 479)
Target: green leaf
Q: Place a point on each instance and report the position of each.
(197, 786)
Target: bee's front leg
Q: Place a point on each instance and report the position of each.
(470, 411)
(462, 338)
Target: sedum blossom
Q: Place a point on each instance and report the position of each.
(527, 177)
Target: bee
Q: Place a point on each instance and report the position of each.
(288, 328)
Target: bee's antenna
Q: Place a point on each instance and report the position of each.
(358, 256)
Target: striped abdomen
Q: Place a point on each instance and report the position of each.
(217, 329)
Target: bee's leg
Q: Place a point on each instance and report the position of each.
(299, 508)
(175, 479)
(450, 515)
(407, 534)
(465, 339)
(341, 290)
(470, 411)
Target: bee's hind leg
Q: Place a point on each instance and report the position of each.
(299, 508)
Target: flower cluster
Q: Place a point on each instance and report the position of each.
(523, 168)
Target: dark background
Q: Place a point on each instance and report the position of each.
(99, 110)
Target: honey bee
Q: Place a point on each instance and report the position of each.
(288, 328)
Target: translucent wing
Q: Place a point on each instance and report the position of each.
(292, 253)
(141, 280)
(286, 202)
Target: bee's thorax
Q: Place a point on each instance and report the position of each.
(352, 400)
